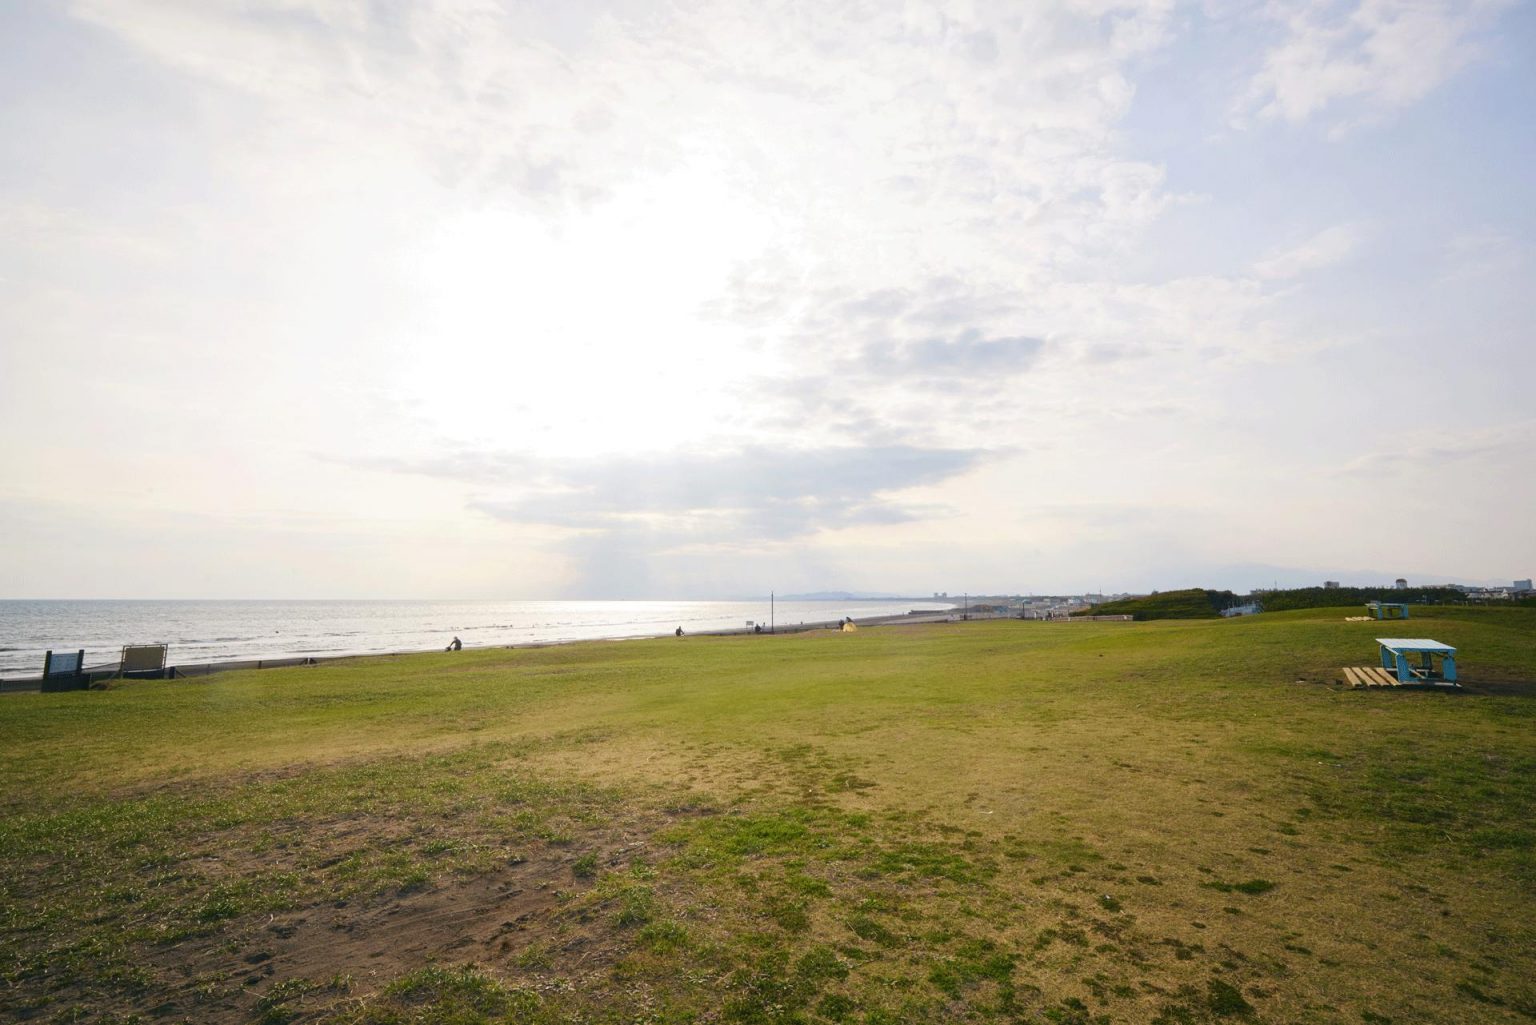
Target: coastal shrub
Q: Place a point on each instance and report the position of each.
(1193, 603)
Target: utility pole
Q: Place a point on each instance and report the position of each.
(770, 612)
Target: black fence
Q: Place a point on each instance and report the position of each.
(209, 668)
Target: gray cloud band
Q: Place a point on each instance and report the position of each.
(702, 497)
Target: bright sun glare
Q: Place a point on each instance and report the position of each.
(583, 333)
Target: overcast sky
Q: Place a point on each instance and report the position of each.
(370, 298)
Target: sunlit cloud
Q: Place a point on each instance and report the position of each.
(666, 288)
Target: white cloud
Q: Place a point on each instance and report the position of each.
(1375, 55)
(1430, 455)
(929, 253)
(1327, 248)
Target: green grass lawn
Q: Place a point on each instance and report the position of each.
(1179, 821)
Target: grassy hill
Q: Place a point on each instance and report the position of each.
(1171, 822)
(1193, 603)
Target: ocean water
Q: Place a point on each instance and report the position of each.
(216, 631)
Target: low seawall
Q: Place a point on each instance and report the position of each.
(99, 676)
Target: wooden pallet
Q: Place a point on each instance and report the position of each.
(1370, 676)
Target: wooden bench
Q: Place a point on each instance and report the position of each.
(1370, 676)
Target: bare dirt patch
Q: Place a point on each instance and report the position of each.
(516, 916)
(354, 947)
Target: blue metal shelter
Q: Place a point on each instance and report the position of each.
(1396, 657)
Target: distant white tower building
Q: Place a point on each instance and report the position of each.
(1401, 585)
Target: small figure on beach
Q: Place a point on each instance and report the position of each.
(679, 631)
(455, 645)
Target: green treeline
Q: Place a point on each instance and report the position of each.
(1201, 603)
(1334, 597)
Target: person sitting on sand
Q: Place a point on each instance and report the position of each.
(455, 645)
(679, 631)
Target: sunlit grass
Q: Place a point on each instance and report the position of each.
(1175, 822)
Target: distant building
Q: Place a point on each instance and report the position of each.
(1488, 594)
(1330, 585)
(1401, 584)
(1522, 585)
